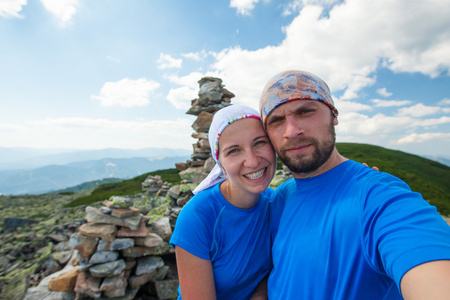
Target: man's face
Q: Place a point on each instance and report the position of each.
(302, 133)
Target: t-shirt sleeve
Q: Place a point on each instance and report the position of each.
(401, 229)
(193, 230)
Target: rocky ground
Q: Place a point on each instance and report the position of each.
(36, 230)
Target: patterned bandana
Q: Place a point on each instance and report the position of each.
(221, 120)
(293, 85)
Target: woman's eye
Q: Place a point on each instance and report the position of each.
(232, 151)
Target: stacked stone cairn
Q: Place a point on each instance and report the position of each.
(119, 252)
(122, 252)
(212, 97)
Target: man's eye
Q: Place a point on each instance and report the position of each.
(305, 111)
(274, 120)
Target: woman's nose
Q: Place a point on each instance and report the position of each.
(251, 159)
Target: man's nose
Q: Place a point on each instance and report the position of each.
(293, 128)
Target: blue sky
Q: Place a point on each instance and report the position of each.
(96, 74)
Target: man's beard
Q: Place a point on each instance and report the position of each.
(300, 164)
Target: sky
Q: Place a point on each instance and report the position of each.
(95, 74)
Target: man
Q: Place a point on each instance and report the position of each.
(340, 229)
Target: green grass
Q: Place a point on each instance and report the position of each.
(425, 176)
(126, 187)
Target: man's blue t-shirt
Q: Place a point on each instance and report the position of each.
(350, 233)
(237, 241)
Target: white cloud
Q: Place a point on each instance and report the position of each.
(64, 10)
(349, 106)
(112, 58)
(418, 110)
(356, 124)
(165, 61)
(197, 56)
(433, 122)
(295, 6)
(422, 137)
(181, 97)
(127, 92)
(104, 133)
(244, 7)
(346, 47)
(11, 127)
(445, 101)
(389, 103)
(11, 8)
(383, 92)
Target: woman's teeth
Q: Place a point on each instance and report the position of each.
(256, 175)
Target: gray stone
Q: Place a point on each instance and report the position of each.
(209, 165)
(86, 245)
(129, 295)
(42, 293)
(162, 228)
(106, 210)
(109, 269)
(88, 285)
(136, 281)
(120, 202)
(145, 251)
(13, 223)
(94, 215)
(151, 240)
(100, 257)
(148, 264)
(161, 273)
(203, 122)
(113, 283)
(167, 289)
(117, 244)
(194, 175)
(174, 191)
(62, 257)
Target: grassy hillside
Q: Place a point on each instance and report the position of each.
(425, 176)
(126, 187)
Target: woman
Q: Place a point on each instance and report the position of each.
(221, 238)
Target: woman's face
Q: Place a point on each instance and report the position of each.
(246, 156)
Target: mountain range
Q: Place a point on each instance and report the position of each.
(37, 171)
(16, 158)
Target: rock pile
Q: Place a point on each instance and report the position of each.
(119, 253)
(212, 97)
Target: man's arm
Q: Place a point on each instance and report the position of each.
(430, 280)
(195, 275)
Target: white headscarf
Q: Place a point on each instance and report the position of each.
(221, 120)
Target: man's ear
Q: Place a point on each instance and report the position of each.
(335, 121)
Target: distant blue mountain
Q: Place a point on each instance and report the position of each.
(31, 158)
(56, 177)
